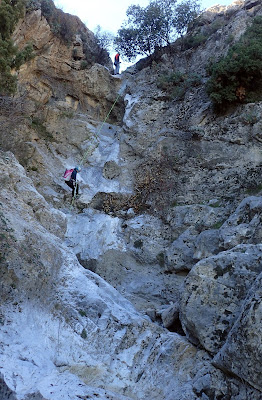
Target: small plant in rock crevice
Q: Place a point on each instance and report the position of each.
(138, 244)
(161, 259)
(218, 225)
(82, 313)
(38, 125)
(84, 334)
(250, 118)
(253, 190)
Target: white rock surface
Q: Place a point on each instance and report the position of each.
(87, 291)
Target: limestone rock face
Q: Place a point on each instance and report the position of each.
(55, 75)
(244, 339)
(244, 226)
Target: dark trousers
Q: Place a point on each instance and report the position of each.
(117, 66)
(74, 188)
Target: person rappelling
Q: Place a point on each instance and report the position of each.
(71, 179)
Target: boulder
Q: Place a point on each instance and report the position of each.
(214, 292)
(241, 354)
(5, 392)
(244, 225)
(170, 315)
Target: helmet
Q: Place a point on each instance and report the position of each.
(78, 169)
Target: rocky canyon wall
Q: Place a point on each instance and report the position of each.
(149, 284)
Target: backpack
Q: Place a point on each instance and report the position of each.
(67, 174)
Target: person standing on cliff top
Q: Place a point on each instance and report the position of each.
(117, 63)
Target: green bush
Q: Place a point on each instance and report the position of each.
(61, 24)
(138, 244)
(165, 81)
(213, 27)
(48, 8)
(237, 77)
(33, 5)
(254, 190)
(84, 334)
(10, 11)
(83, 64)
(7, 83)
(23, 56)
(193, 41)
(176, 83)
(38, 125)
(199, 37)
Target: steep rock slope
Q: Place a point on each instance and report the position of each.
(163, 218)
(66, 333)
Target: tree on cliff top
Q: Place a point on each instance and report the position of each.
(154, 26)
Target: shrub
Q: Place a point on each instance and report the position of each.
(7, 53)
(38, 125)
(237, 77)
(172, 79)
(218, 224)
(23, 56)
(82, 313)
(161, 259)
(10, 11)
(254, 190)
(32, 5)
(83, 64)
(176, 83)
(200, 37)
(193, 41)
(213, 27)
(61, 24)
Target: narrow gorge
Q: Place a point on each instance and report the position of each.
(148, 286)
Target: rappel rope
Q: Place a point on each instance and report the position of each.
(97, 134)
(92, 148)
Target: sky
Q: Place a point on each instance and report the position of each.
(110, 14)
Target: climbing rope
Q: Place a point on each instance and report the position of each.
(92, 148)
(86, 154)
